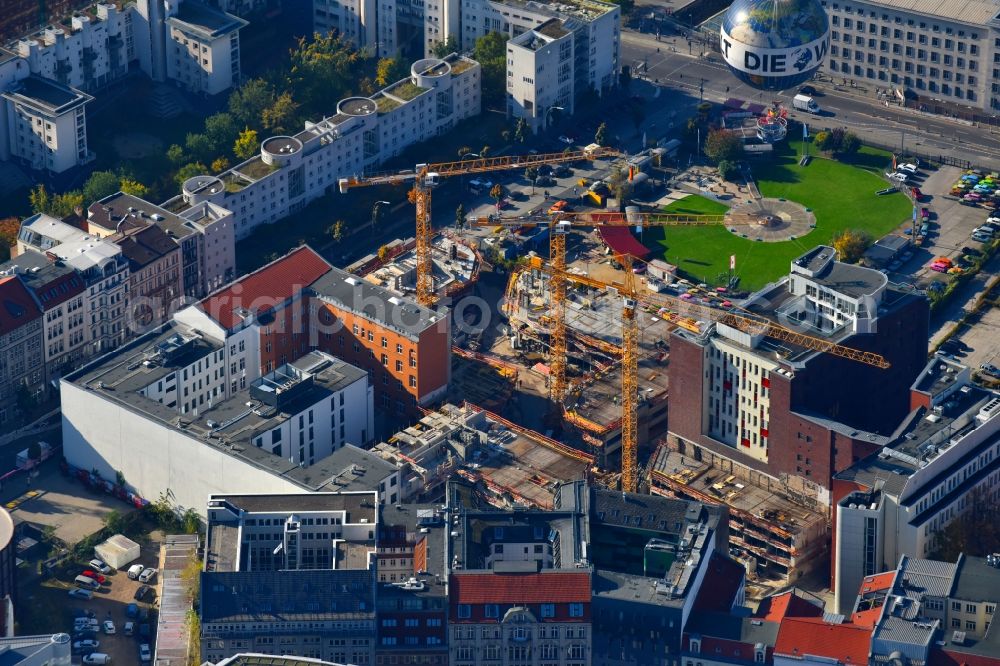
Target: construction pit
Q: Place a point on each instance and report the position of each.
(592, 407)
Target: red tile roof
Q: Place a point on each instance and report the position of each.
(551, 587)
(17, 307)
(882, 581)
(621, 241)
(787, 604)
(266, 287)
(722, 581)
(949, 657)
(847, 643)
(59, 290)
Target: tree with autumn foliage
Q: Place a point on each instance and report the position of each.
(9, 228)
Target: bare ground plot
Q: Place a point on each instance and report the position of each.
(72, 509)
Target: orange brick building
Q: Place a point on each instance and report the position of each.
(405, 347)
(299, 303)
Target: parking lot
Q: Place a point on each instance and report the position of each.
(951, 224)
(53, 610)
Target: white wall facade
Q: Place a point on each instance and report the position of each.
(102, 434)
(205, 66)
(738, 397)
(932, 55)
(539, 77)
(345, 417)
(47, 141)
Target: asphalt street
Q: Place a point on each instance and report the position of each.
(858, 109)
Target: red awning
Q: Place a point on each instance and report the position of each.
(621, 241)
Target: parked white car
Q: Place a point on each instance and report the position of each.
(100, 566)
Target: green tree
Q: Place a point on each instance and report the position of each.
(191, 521)
(723, 145)
(321, 69)
(975, 531)
(497, 193)
(189, 170)
(113, 521)
(221, 129)
(484, 152)
(850, 244)
(601, 135)
(175, 154)
(41, 200)
(247, 144)
(521, 131)
(822, 140)
(247, 103)
(336, 231)
(199, 147)
(100, 184)
(463, 151)
(491, 53)
(66, 203)
(389, 70)
(727, 170)
(281, 115)
(445, 47)
(460, 217)
(220, 164)
(383, 253)
(133, 187)
(850, 144)
(620, 185)
(531, 173)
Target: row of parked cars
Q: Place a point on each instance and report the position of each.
(987, 231)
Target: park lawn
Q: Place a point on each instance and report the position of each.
(841, 196)
(695, 204)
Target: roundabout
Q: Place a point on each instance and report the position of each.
(770, 220)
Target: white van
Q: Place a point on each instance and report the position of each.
(97, 658)
(87, 582)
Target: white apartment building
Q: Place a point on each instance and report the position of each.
(304, 562)
(540, 74)
(577, 50)
(292, 171)
(896, 502)
(940, 56)
(45, 123)
(188, 43)
(101, 265)
(173, 411)
(88, 51)
(204, 55)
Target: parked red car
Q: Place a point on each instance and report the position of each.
(95, 575)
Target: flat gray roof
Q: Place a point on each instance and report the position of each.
(204, 21)
(288, 596)
(361, 505)
(47, 96)
(975, 580)
(376, 303)
(974, 12)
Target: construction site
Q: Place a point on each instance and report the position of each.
(593, 319)
(777, 538)
(509, 466)
(455, 264)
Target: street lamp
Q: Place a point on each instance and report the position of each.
(548, 111)
(376, 210)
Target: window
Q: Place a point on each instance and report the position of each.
(990, 609)
(492, 610)
(970, 625)
(576, 610)
(548, 610)
(956, 606)
(971, 608)
(464, 611)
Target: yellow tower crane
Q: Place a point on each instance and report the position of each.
(560, 224)
(735, 317)
(425, 176)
